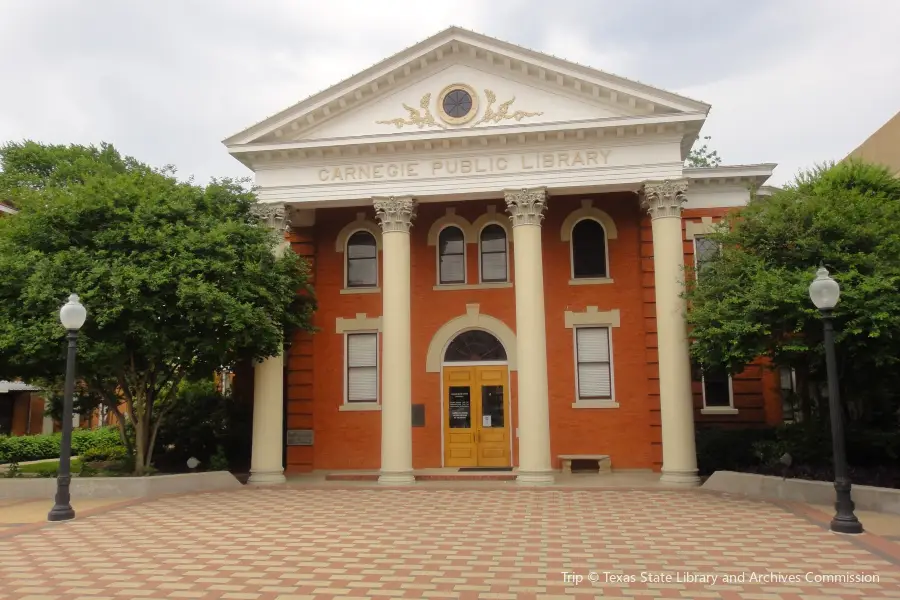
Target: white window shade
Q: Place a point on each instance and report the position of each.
(362, 367)
(593, 344)
(493, 266)
(594, 372)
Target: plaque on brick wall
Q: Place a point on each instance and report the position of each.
(299, 437)
(418, 415)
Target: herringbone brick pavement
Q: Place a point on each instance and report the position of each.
(294, 543)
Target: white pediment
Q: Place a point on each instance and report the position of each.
(560, 90)
(498, 100)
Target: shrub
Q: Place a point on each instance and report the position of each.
(104, 453)
(721, 449)
(37, 447)
(215, 429)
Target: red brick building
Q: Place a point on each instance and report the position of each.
(498, 240)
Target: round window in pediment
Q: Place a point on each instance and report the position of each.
(457, 104)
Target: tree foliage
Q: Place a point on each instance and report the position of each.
(753, 299)
(702, 156)
(178, 279)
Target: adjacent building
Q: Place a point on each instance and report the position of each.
(499, 241)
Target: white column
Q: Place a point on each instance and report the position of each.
(396, 215)
(526, 208)
(266, 458)
(664, 200)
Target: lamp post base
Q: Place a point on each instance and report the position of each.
(846, 526)
(61, 512)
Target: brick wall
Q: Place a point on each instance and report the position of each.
(630, 434)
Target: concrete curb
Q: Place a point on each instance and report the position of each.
(865, 497)
(120, 487)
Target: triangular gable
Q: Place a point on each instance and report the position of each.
(403, 80)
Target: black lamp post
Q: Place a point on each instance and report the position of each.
(72, 315)
(824, 292)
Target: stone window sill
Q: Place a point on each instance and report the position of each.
(361, 290)
(718, 410)
(595, 404)
(471, 286)
(360, 406)
(591, 281)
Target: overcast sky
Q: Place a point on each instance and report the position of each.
(790, 81)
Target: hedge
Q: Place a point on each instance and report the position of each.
(36, 447)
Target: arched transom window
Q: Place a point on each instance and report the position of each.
(494, 263)
(588, 250)
(474, 346)
(362, 260)
(451, 255)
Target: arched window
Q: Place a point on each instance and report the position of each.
(474, 346)
(588, 250)
(493, 254)
(452, 255)
(362, 260)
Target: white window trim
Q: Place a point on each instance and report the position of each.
(694, 237)
(592, 317)
(718, 410)
(588, 280)
(367, 289)
(362, 406)
(481, 280)
(437, 258)
(594, 402)
(699, 231)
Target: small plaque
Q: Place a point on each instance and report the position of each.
(486, 420)
(418, 415)
(299, 437)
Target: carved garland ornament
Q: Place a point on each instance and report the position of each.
(502, 112)
(395, 213)
(664, 198)
(526, 207)
(422, 117)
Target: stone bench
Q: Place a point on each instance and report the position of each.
(604, 465)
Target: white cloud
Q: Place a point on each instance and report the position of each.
(790, 81)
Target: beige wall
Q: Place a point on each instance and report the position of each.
(883, 146)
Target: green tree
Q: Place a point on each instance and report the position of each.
(179, 279)
(702, 156)
(752, 299)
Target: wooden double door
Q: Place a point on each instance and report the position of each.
(476, 416)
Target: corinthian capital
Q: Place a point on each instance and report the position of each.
(526, 207)
(395, 213)
(274, 216)
(664, 198)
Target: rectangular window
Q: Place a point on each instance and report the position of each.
(592, 351)
(362, 367)
(716, 387)
(790, 408)
(704, 251)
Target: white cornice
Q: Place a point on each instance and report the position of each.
(612, 131)
(756, 174)
(397, 69)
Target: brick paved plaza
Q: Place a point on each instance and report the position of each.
(292, 543)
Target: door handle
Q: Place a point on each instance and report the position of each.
(477, 437)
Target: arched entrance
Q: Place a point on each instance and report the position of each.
(476, 402)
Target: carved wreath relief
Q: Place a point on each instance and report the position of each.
(457, 104)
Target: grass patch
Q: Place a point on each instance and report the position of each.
(49, 468)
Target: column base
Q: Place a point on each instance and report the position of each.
(534, 478)
(396, 478)
(680, 478)
(266, 477)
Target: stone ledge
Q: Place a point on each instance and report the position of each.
(865, 497)
(120, 487)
